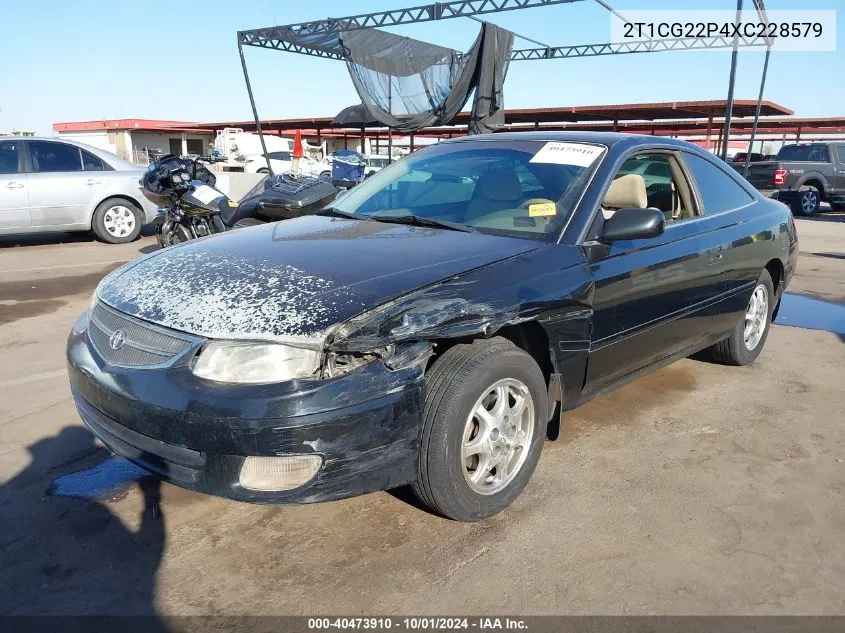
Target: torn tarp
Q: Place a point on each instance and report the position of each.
(406, 84)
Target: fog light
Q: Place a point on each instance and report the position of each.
(273, 474)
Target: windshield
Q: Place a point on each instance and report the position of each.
(524, 189)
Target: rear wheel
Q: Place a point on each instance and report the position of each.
(746, 342)
(117, 221)
(806, 202)
(263, 170)
(484, 425)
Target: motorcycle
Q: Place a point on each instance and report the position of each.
(188, 204)
(190, 207)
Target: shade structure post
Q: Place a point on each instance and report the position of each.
(254, 109)
(731, 83)
(389, 129)
(757, 112)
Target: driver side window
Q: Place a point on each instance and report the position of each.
(650, 180)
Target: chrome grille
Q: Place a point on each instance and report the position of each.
(144, 345)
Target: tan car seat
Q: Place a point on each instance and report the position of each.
(495, 190)
(625, 192)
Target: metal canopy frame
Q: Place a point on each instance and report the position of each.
(317, 39)
(305, 38)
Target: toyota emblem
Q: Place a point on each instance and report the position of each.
(117, 340)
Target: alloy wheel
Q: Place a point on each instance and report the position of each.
(119, 221)
(756, 317)
(497, 436)
(809, 202)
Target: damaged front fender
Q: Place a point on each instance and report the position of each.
(551, 285)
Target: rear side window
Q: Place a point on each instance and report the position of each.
(54, 157)
(93, 163)
(840, 153)
(9, 153)
(279, 155)
(816, 153)
(719, 192)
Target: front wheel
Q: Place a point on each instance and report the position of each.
(746, 342)
(117, 221)
(484, 424)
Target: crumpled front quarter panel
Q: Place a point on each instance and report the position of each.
(551, 285)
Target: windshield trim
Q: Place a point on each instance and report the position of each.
(577, 205)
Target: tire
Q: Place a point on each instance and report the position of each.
(806, 202)
(734, 350)
(246, 223)
(263, 170)
(117, 221)
(458, 382)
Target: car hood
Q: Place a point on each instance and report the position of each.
(293, 281)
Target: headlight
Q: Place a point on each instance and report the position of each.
(92, 303)
(254, 363)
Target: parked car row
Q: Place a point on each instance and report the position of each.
(431, 325)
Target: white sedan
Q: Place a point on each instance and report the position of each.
(282, 162)
(57, 185)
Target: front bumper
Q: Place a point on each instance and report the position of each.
(196, 434)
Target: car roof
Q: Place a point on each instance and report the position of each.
(602, 138)
(114, 161)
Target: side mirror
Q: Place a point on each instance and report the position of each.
(633, 224)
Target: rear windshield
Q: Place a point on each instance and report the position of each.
(524, 189)
(816, 153)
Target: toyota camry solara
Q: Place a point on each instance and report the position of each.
(431, 326)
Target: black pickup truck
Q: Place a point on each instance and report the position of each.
(802, 176)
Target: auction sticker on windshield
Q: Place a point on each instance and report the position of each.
(578, 154)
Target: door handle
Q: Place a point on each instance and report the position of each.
(93, 181)
(14, 185)
(714, 255)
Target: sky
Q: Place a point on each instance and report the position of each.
(158, 59)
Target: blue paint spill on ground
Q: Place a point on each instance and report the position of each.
(798, 310)
(109, 480)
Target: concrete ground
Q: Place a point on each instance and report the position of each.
(701, 489)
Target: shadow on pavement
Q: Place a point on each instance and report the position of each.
(56, 238)
(825, 216)
(69, 555)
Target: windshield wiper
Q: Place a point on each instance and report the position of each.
(332, 212)
(418, 220)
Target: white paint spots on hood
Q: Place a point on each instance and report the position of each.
(222, 295)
